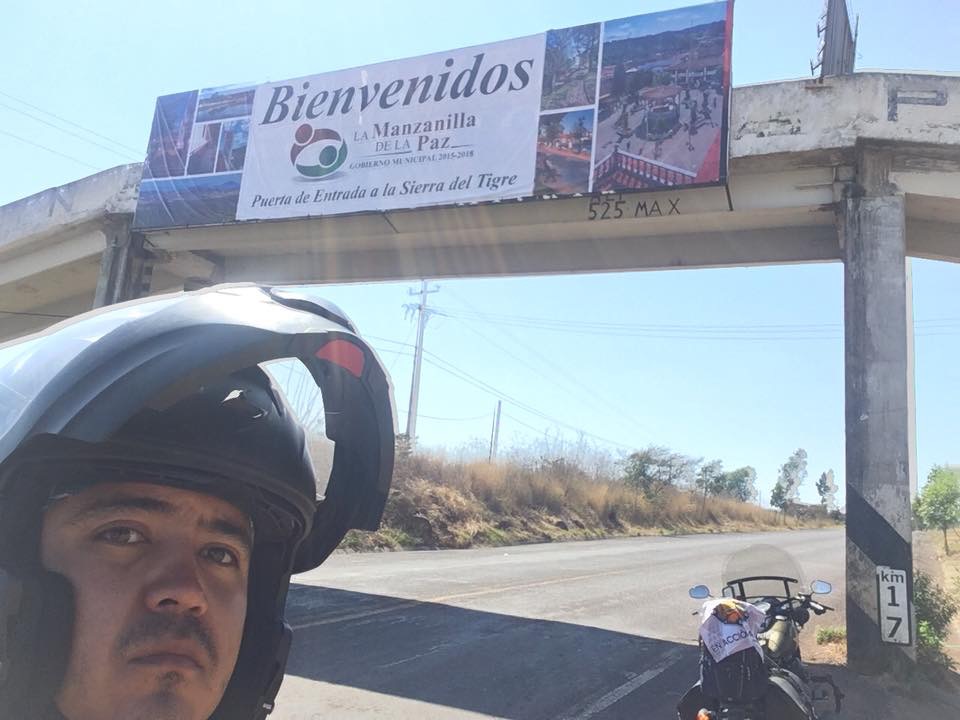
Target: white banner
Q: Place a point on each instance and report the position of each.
(445, 128)
(639, 103)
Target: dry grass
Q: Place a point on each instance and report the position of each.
(436, 503)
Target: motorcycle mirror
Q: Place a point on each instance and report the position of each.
(700, 592)
(821, 587)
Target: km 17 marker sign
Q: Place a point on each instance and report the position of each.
(893, 603)
(639, 103)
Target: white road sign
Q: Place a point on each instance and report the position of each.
(893, 602)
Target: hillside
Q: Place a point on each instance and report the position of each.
(436, 503)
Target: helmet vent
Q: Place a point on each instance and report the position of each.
(237, 401)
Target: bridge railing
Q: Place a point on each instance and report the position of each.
(647, 172)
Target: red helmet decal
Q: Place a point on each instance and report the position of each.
(345, 354)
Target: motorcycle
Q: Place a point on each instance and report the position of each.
(750, 662)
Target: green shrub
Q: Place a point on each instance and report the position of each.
(831, 635)
(935, 610)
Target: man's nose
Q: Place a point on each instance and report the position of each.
(177, 587)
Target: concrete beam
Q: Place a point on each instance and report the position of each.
(809, 116)
(706, 249)
(933, 241)
(16, 323)
(87, 242)
(52, 212)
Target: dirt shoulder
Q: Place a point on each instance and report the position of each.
(886, 698)
(882, 697)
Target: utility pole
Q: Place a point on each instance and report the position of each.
(423, 313)
(495, 432)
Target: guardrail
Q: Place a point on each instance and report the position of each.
(629, 169)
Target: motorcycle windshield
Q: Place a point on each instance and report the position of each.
(770, 564)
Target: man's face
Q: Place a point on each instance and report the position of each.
(160, 578)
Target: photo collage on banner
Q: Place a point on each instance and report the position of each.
(567, 110)
(195, 158)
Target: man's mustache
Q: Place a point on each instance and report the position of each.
(160, 627)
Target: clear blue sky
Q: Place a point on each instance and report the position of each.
(745, 401)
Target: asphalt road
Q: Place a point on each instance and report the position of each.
(571, 631)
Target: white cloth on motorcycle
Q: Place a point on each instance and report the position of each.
(723, 639)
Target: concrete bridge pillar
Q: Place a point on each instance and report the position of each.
(125, 266)
(878, 427)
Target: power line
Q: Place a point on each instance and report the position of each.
(450, 419)
(71, 123)
(518, 421)
(451, 369)
(35, 314)
(712, 327)
(641, 326)
(406, 340)
(51, 150)
(569, 380)
(758, 333)
(486, 387)
(464, 376)
(125, 155)
(652, 332)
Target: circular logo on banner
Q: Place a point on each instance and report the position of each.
(317, 153)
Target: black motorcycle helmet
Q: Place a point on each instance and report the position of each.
(172, 390)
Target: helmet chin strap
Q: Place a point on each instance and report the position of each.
(262, 659)
(36, 624)
(255, 684)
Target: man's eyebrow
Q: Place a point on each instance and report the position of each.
(230, 529)
(114, 503)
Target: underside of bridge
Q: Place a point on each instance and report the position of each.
(861, 169)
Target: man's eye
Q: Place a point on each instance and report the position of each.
(221, 556)
(121, 536)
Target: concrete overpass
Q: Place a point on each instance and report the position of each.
(863, 169)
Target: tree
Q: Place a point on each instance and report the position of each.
(827, 489)
(619, 80)
(709, 479)
(555, 61)
(938, 505)
(739, 484)
(654, 468)
(791, 476)
(585, 40)
(550, 129)
(778, 498)
(579, 131)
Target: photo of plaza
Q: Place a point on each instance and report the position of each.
(563, 153)
(662, 99)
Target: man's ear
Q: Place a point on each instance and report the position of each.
(36, 626)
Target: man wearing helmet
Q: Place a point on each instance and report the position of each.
(156, 495)
(160, 581)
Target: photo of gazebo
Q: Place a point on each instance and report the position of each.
(663, 93)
